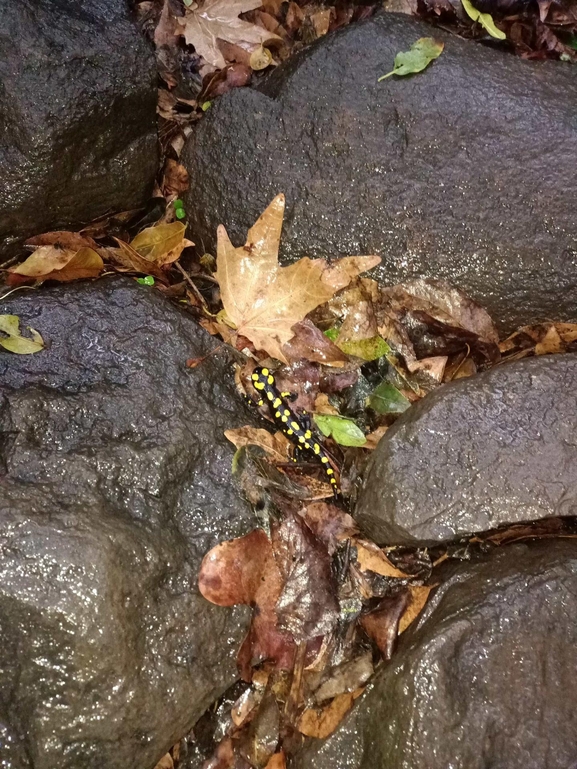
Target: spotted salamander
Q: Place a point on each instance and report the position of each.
(289, 422)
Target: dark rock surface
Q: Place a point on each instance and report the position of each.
(77, 115)
(485, 679)
(458, 173)
(473, 455)
(114, 482)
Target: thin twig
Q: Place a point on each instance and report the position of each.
(191, 283)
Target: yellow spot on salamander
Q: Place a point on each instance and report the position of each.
(302, 438)
(317, 448)
(260, 402)
(270, 396)
(295, 426)
(259, 385)
(307, 445)
(333, 481)
(287, 413)
(285, 394)
(289, 432)
(270, 379)
(276, 403)
(324, 459)
(277, 414)
(284, 418)
(330, 471)
(308, 434)
(255, 377)
(265, 372)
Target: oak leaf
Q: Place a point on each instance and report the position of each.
(216, 20)
(264, 300)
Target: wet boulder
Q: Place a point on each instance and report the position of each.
(476, 454)
(458, 173)
(484, 678)
(78, 115)
(115, 481)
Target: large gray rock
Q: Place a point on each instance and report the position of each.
(485, 679)
(114, 482)
(476, 454)
(459, 172)
(78, 115)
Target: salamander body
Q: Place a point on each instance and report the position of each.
(288, 421)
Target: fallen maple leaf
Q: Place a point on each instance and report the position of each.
(264, 300)
(217, 20)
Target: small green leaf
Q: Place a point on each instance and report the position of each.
(484, 19)
(188, 3)
(343, 430)
(332, 333)
(15, 342)
(148, 281)
(178, 204)
(421, 54)
(386, 399)
(572, 42)
(205, 105)
(367, 349)
(180, 213)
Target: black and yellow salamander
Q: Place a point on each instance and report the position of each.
(289, 422)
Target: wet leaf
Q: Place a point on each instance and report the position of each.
(261, 58)
(420, 55)
(329, 524)
(371, 558)
(418, 595)
(276, 446)
(345, 678)
(216, 20)
(14, 341)
(386, 399)
(263, 300)
(342, 430)
(307, 606)
(126, 256)
(310, 343)
(165, 762)
(367, 349)
(231, 573)
(161, 244)
(63, 239)
(374, 437)
(382, 623)
(484, 19)
(322, 722)
(258, 744)
(278, 761)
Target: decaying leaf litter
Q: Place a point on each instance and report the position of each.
(327, 603)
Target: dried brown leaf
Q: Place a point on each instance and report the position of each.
(371, 558)
(276, 446)
(165, 762)
(329, 524)
(216, 20)
(54, 263)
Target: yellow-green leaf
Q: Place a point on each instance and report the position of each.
(154, 242)
(367, 349)
(14, 341)
(343, 430)
(484, 19)
(420, 55)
